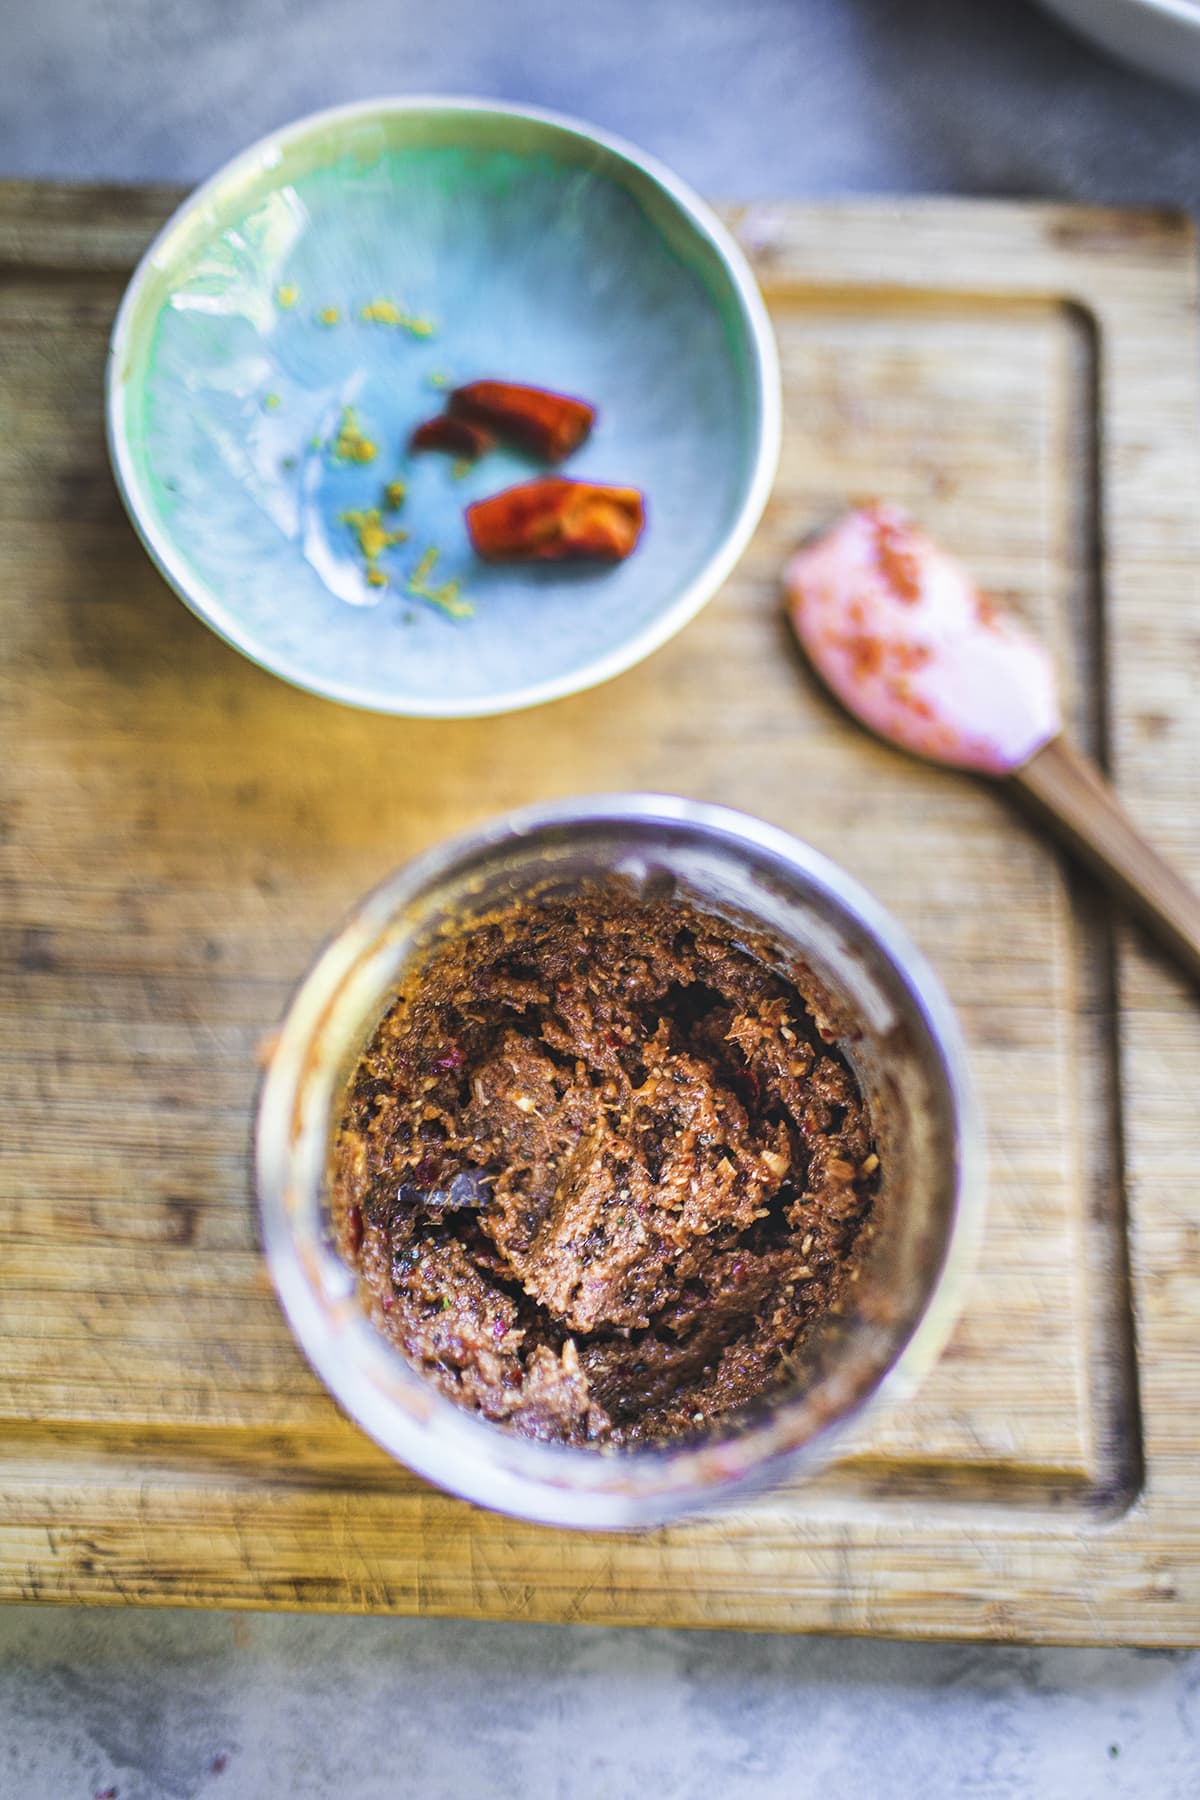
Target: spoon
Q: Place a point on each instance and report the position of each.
(901, 634)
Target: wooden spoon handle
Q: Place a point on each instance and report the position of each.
(1069, 792)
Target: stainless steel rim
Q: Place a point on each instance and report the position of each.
(393, 1403)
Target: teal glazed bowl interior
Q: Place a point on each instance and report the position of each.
(513, 245)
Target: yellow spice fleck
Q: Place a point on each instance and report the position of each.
(372, 535)
(350, 445)
(376, 578)
(423, 570)
(386, 312)
(382, 312)
(448, 596)
(393, 496)
(286, 296)
(329, 315)
(271, 402)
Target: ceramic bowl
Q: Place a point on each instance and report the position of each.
(487, 241)
(897, 1027)
(1160, 36)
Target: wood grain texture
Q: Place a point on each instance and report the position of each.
(1073, 798)
(180, 830)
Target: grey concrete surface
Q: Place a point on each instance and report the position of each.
(173, 1706)
(744, 97)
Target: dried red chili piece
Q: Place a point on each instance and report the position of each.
(461, 437)
(354, 1229)
(553, 519)
(533, 419)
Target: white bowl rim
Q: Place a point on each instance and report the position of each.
(763, 365)
(1186, 12)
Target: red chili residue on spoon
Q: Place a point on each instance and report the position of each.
(904, 638)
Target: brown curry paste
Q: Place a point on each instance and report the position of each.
(600, 1169)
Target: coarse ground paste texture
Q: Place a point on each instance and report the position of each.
(663, 1165)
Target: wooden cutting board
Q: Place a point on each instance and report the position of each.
(179, 830)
